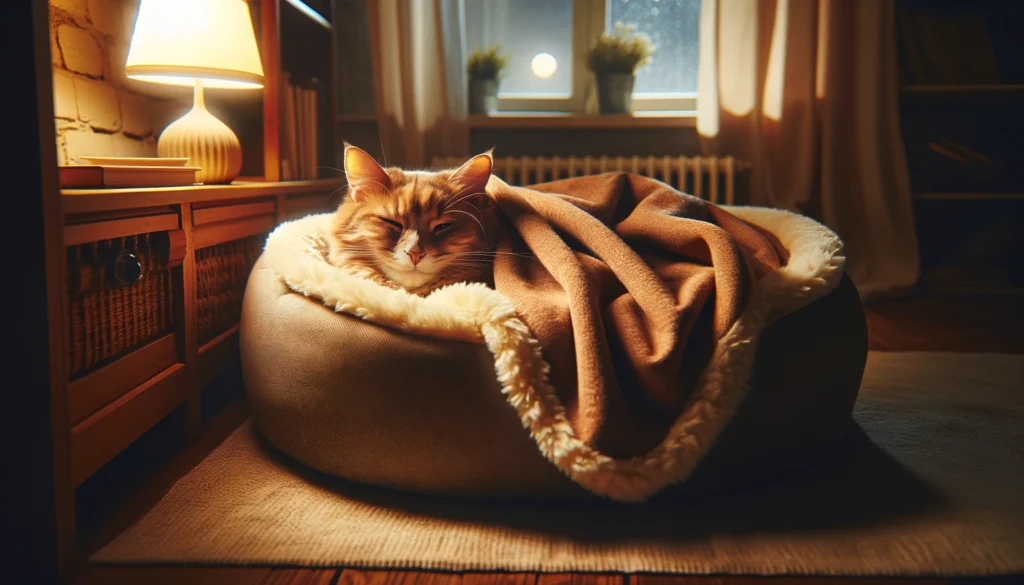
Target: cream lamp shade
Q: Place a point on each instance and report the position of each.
(198, 43)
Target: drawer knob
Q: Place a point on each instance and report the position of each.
(127, 267)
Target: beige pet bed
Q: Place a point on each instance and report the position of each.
(378, 387)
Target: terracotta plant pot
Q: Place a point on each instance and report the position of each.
(615, 92)
(483, 96)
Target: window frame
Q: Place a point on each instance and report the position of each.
(589, 20)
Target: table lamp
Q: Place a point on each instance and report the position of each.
(198, 43)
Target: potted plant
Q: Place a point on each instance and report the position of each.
(485, 69)
(614, 59)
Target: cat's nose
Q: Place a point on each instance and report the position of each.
(415, 256)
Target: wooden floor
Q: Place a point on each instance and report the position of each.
(948, 322)
(941, 322)
(264, 576)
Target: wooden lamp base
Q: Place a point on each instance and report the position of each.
(207, 142)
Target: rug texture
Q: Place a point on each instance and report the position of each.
(928, 484)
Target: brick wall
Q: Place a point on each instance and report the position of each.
(98, 110)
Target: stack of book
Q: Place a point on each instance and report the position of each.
(298, 129)
(113, 172)
(945, 48)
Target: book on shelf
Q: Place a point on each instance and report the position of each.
(939, 163)
(104, 176)
(945, 49)
(960, 153)
(298, 131)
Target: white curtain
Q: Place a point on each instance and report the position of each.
(806, 91)
(421, 103)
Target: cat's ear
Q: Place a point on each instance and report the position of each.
(363, 173)
(471, 178)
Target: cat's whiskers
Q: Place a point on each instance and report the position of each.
(492, 252)
(464, 269)
(347, 184)
(479, 261)
(470, 260)
(336, 190)
(459, 192)
(383, 153)
(491, 255)
(470, 196)
(477, 210)
(356, 184)
(344, 186)
(478, 222)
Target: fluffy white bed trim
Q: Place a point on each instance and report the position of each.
(476, 313)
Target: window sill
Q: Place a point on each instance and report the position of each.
(570, 120)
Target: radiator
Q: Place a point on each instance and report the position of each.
(708, 177)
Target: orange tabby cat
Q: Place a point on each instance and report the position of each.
(412, 229)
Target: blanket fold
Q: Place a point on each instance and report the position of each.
(623, 320)
(628, 285)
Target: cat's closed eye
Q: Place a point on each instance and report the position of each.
(391, 222)
(410, 230)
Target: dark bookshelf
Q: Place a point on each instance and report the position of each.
(961, 97)
(296, 41)
(356, 119)
(307, 46)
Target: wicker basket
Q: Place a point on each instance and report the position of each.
(222, 272)
(110, 312)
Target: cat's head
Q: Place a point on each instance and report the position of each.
(415, 227)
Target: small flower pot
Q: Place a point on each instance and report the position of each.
(615, 93)
(483, 96)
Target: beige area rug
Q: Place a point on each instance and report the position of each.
(930, 484)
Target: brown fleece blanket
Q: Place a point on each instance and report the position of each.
(628, 284)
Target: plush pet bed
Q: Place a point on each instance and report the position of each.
(637, 342)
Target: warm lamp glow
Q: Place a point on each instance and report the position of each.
(180, 41)
(202, 43)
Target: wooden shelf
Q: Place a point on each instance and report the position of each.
(215, 353)
(101, 230)
(967, 196)
(102, 427)
(988, 88)
(78, 201)
(95, 390)
(958, 94)
(100, 437)
(356, 118)
(554, 120)
(938, 289)
(115, 405)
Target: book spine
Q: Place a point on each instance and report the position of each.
(300, 145)
(934, 68)
(313, 150)
(288, 169)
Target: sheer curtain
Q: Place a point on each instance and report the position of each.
(806, 90)
(421, 102)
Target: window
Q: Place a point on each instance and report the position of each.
(547, 41)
